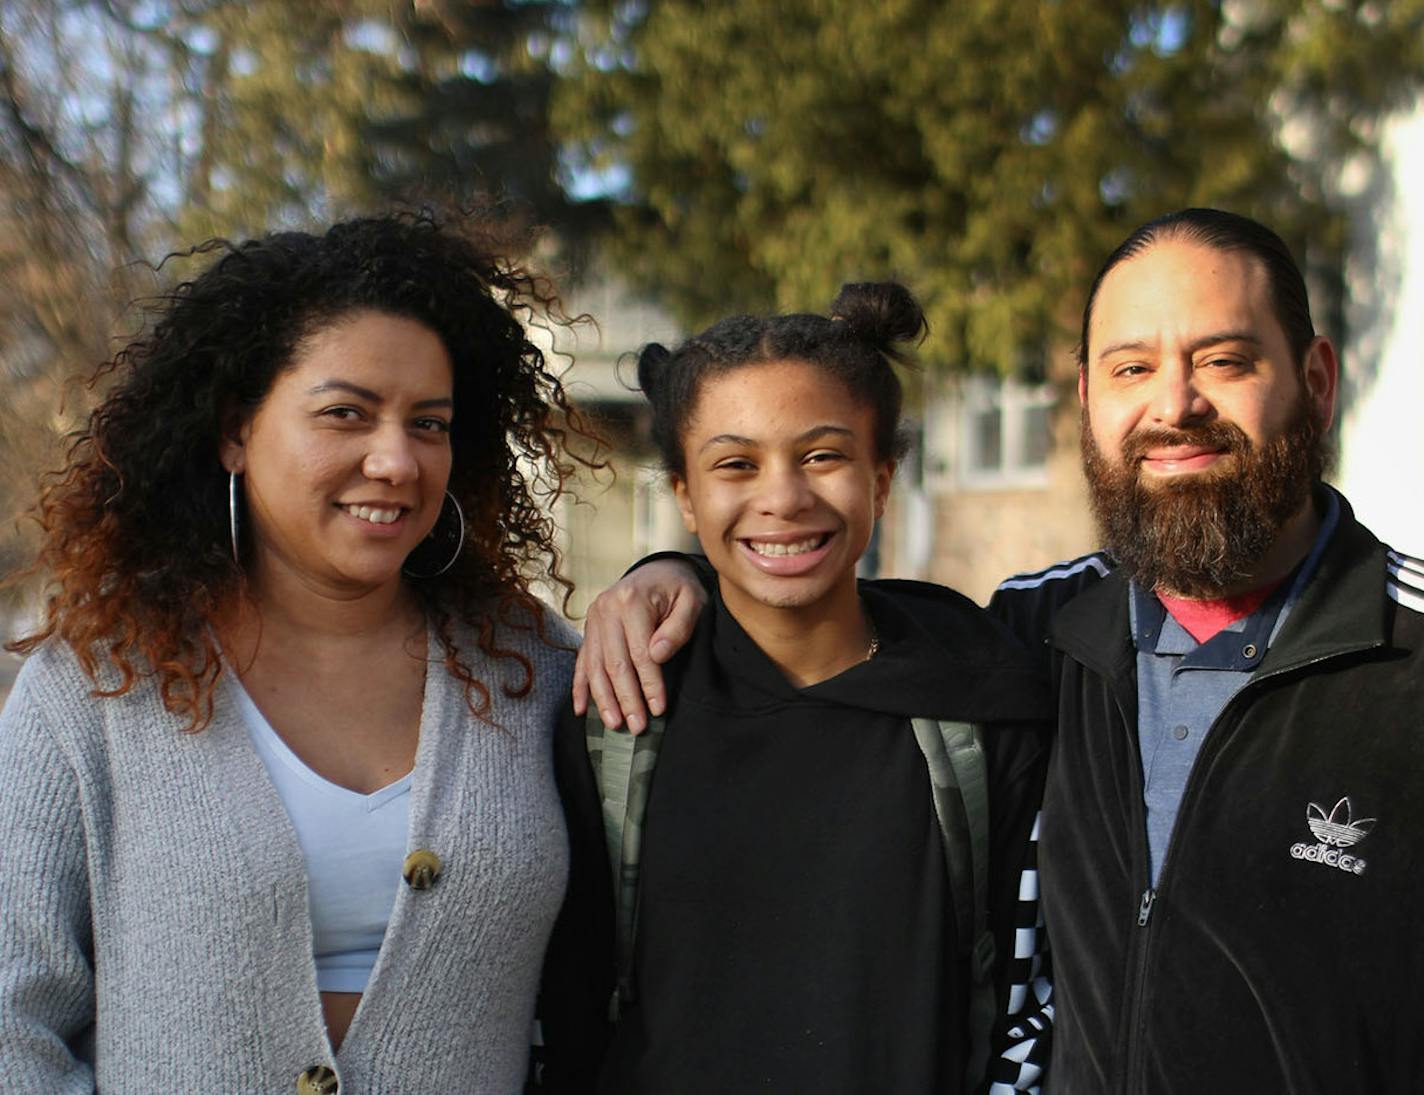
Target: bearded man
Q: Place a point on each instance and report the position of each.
(1230, 865)
(1231, 861)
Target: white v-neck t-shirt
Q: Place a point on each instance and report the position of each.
(354, 846)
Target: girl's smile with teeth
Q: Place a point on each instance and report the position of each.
(793, 547)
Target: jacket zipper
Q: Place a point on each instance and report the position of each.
(1134, 1076)
(1139, 979)
(1137, 947)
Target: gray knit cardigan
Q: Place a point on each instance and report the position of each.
(154, 927)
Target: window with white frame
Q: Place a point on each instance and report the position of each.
(1004, 432)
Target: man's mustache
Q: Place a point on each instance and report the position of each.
(1223, 436)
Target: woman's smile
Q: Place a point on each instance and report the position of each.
(375, 515)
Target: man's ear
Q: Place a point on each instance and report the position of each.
(1082, 385)
(1321, 374)
(684, 503)
(232, 440)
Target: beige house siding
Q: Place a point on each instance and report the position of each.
(983, 537)
(951, 523)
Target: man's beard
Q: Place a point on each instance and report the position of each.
(1199, 534)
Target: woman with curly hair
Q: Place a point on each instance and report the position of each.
(276, 804)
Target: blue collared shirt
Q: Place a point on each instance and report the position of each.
(1183, 686)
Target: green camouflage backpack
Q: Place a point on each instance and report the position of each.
(954, 754)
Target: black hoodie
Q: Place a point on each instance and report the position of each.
(795, 928)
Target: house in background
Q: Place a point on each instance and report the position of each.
(991, 485)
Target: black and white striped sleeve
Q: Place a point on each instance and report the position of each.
(1405, 580)
(1024, 1034)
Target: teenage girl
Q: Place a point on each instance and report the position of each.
(795, 927)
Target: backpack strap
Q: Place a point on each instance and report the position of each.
(623, 770)
(959, 784)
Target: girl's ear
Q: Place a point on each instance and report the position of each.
(684, 502)
(232, 440)
(884, 473)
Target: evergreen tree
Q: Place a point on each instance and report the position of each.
(989, 152)
(319, 108)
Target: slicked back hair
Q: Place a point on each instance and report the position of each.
(1221, 231)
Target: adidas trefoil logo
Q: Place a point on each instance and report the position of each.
(1335, 831)
(1338, 827)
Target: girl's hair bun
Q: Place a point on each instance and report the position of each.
(653, 359)
(881, 313)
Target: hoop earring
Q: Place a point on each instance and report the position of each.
(459, 543)
(232, 514)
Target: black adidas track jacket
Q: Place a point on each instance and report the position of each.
(1278, 952)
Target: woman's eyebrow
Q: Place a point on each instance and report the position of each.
(346, 386)
(375, 397)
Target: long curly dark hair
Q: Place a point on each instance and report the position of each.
(135, 541)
